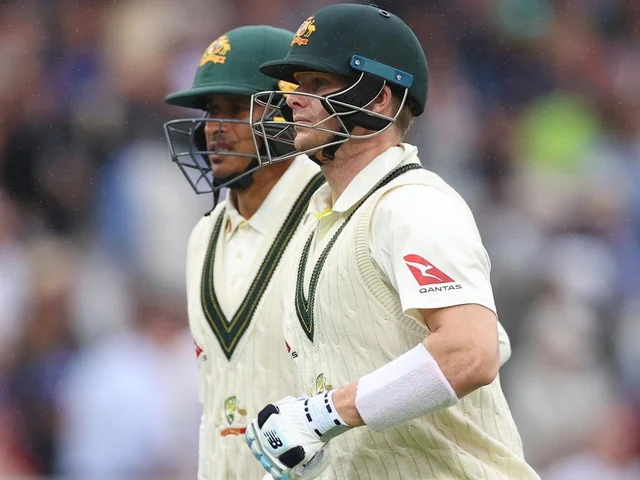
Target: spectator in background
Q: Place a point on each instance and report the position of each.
(39, 356)
(129, 405)
(612, 450)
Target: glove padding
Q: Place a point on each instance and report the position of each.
(282, 440)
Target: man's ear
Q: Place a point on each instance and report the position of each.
(383, 102)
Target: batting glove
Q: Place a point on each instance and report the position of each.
(288, 437)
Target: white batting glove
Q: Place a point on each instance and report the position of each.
(288, 438)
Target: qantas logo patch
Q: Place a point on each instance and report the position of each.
(425, 272)
(293, 353)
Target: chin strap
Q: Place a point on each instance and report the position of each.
(329, 153)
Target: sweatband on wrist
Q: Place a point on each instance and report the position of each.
(410, 386)
(323, 418)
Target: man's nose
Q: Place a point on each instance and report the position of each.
(296, 101)
(214, 127)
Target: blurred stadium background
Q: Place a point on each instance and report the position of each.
(533, 114)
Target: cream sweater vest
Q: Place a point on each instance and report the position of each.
(244, 364)
(352, 323)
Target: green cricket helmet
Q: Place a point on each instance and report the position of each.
(363, 43)
(229, 66)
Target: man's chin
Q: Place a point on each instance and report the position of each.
(226, 174)
(234, 181)
(310, 146)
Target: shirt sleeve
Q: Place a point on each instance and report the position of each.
(425, 242)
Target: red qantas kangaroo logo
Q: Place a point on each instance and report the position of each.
(424, 272)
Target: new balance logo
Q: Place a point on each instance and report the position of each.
(273, 439)
(424, 272)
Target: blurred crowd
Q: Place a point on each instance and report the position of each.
(533, 115)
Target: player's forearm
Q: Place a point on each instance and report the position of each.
(410, 386)
(451, 363)
(345, 401)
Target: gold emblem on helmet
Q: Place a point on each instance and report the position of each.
(217, 51)
(304, 32)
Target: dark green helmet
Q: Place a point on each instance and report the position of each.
(363, 43)
(329, 40)
(229, 66)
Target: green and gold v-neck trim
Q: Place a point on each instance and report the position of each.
(304, 307)
(228, 333)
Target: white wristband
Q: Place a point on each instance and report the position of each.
(410, 386)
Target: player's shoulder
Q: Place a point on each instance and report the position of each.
(423, 203)
(205, 224)
(212, 215)
(416, 180)
(424, 191)
(425, 211)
